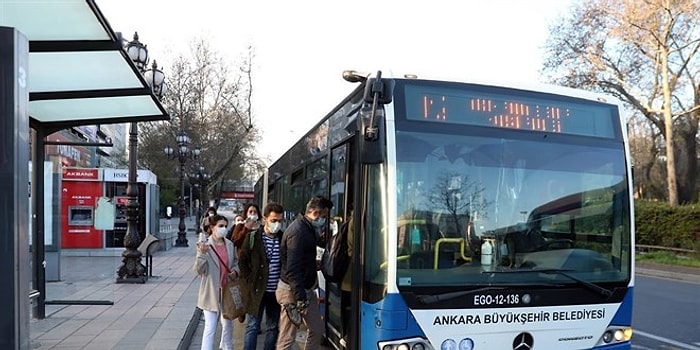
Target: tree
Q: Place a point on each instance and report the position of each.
(459, 197)
(645, 54)
(649, 170)
(213, 106)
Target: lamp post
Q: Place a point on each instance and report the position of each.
(132, 270)
(200, 179)
(182, 154)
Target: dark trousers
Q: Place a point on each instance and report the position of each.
(345, 311)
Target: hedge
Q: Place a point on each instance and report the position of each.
(660, 224)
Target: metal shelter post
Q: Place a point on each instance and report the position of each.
(14, 184)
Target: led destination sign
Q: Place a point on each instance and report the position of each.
(511, 109)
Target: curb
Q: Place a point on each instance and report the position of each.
(668, 272)
(190, 330)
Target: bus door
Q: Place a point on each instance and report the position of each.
(341, 194)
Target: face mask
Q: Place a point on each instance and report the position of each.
(273, 227)
(221, 232)
(211, 214)
(238, 222)
(253, 217)
(318, 223)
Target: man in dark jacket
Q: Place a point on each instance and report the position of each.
(298, 275)
(259, 261)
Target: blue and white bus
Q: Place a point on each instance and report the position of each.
(484, 216)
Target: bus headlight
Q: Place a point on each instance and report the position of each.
(449, 344)
(623, 334)
(628, 333)
(607, 336)
(406, 344)
(615, 334)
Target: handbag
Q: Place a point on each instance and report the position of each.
(232, 303)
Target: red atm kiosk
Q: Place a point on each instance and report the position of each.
(80, 190)
(93, 207)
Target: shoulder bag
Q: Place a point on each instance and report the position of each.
(232, 303)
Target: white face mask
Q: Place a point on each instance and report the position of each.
(221, 232)
(253, 217)
(273, 227)
(238, 222)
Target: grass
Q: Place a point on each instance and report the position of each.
(669, 258)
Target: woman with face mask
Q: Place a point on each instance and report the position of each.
(237, 220)
(211, 211)
(239, 233)
(259, 261)
(251, 221)
(212, 253)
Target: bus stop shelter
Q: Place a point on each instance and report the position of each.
(61, 66)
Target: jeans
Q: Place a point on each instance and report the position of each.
(272, 312)
(210, 322)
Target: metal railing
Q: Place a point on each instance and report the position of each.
(168, 227)
(649, 248)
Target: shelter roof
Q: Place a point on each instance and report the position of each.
(78, 73)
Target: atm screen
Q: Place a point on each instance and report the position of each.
(80, 216)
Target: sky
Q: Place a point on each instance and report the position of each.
(302, 47)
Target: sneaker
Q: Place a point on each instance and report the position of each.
(344, 342)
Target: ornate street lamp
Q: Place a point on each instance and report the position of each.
(182, 154)
(156, 80)
(200, 180)
(132, 270)
(137, 52)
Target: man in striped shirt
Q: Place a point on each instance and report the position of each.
(259, 262)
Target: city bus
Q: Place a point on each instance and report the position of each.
(484, 216)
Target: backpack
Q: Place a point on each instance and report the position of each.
(335, 259)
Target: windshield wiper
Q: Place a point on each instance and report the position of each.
(591, 286)
(434, 298)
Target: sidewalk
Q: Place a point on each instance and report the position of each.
(238, 334)
(153, 315)
(159, 314)
(683, 273)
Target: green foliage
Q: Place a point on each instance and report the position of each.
(668, 258)
(661, 224)
(168, 197)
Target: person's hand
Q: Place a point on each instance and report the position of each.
(251, 224)
(233, 275)
(202, 247)
(293, 313)
(301, 305)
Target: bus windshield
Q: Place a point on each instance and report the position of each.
(475, 203)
